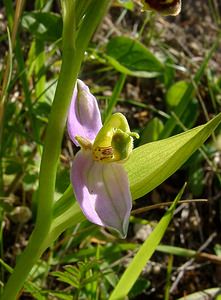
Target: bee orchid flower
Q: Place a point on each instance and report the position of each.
(98, 176)
(164, 7)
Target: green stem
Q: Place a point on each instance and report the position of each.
(71, 62)
(68, 74)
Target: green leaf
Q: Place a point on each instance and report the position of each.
(34, 290)
(140, 285)
(43, 25)
(190, 113)
(136, 266)
(169, 72)
(149, 165)
(62, 179)
(196, 176)
(151, 131)
(176, 251)
(130, 57)
(128, 4)
(67, 278)
(13, 167)
(60, 295)
(217, 249)
(175, 93)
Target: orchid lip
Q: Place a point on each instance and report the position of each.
(102, 191)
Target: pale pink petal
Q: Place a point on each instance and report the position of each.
(84, 117)
(102, 190)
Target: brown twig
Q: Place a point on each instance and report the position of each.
(163, 205)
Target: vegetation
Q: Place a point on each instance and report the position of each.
(163, 74)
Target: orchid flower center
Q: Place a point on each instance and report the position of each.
(114, 141)
(117, 147)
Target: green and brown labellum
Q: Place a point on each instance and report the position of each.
(164, 7)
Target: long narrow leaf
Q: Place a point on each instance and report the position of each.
(143, 255)
(151, 164)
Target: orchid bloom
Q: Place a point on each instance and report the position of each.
(164, 7)
(98, 177)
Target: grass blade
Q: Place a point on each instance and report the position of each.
(143, 255)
